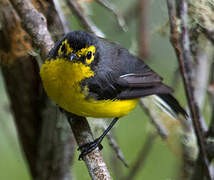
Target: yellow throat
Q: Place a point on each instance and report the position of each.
(61, 80)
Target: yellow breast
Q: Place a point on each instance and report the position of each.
(61, 81)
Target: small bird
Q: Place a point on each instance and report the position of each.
(94, 77)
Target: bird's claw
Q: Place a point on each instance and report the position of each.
(89, 147)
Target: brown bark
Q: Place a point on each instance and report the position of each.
(144, 44)
(94, 161)
(15, 60)
(45, 138)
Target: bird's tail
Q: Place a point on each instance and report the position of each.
(174, 125)
(170, 105)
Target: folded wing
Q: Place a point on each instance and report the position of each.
(140, 85)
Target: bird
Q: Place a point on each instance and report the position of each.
(94, 77)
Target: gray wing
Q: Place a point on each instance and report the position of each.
(120, 75)
(140, 85)
(124, 76)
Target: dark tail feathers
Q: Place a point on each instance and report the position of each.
(174, 104)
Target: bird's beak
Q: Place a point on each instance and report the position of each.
(70, 56)
(73, 56)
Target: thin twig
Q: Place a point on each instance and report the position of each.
(211, 95)
(116, 165)
(210, 134)
(209, 34)
(112, 142)
(183, 130)
(152, 111)
(101, 124)
(108, 5)
(142, 156)
(184, 57)
(61, 16)
(144, 44)
(132, 11)
(85, 21)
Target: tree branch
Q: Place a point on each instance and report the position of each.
(144, 43)
(211, 95)
(53, 127)
(85, 21)
(101, 124)
(21, 75)
(142, 156)
(83, 135)
(61, 15)
(35, 24)
(152, 112)
(182, 51)
(114, 10)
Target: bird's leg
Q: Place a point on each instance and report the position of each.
(87, 148)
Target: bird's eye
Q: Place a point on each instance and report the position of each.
(89, 54)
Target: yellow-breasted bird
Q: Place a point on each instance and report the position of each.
(93, 77)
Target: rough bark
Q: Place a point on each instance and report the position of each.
(45, 139)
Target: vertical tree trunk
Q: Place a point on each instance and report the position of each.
(45, 138)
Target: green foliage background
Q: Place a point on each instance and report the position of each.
(131, 130)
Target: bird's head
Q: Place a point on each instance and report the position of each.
(76, 46)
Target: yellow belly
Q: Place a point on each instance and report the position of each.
(61, 82)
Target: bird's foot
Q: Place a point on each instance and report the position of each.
(89, 147)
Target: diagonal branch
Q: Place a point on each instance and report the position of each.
(61, 15)
(101, 124)
(151, 111)
(85, 21)
(108, 5)
(83, 135)
(142, 156)
(35, 24)
(48, 156)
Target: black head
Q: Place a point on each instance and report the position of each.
(78, 45)
(80, 39)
